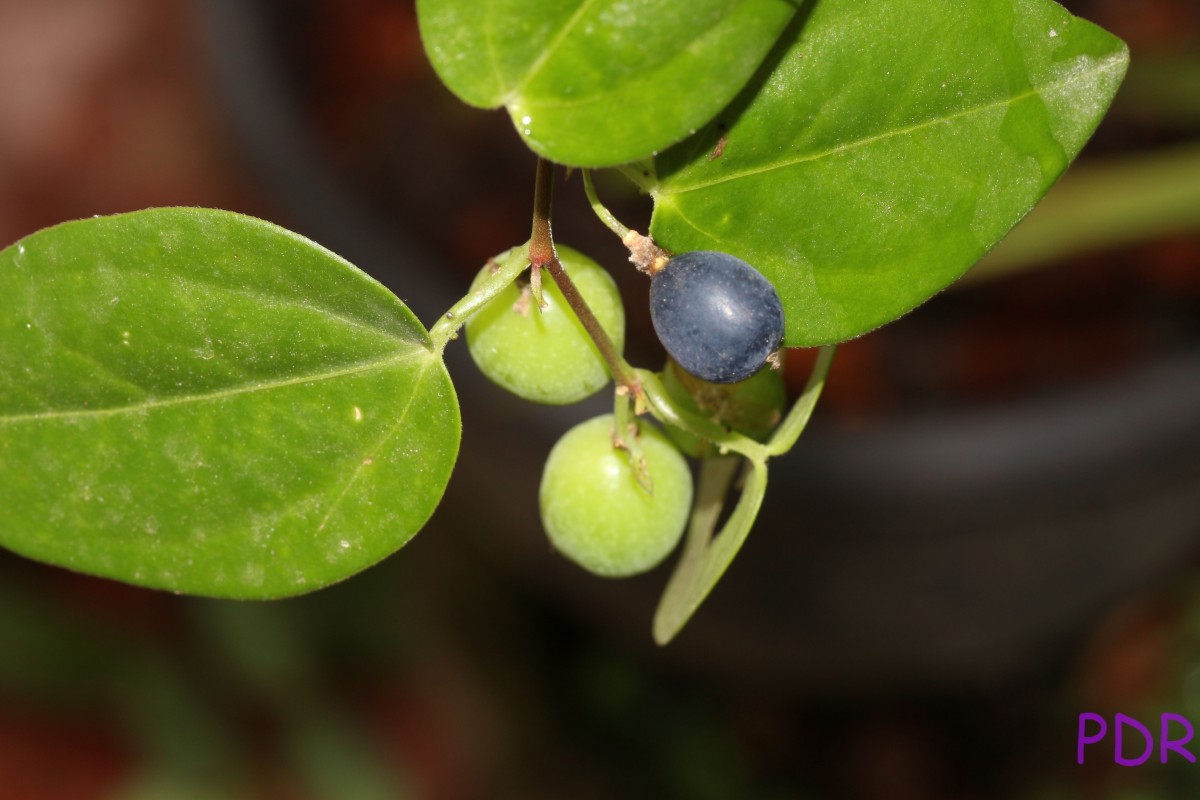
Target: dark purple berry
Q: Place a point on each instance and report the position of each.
(716, 315)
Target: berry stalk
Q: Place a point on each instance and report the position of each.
(543, 255)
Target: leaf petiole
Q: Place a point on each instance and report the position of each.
(664, 408)
(610, 221)
(793, 424)
(511, 265)
(643, 252)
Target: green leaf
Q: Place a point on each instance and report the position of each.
(600, 82)
(706, 557)
(200, 401)
(891, 145)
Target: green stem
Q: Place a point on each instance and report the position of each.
(606, 216)
(623, 416)
(446, 328)
(626, 436)
(793, 424)
(664, 408)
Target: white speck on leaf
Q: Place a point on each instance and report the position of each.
(1053, 33)
(358, 415)
(253, 574)
(345, 545)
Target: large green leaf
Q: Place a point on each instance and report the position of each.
(200, 401)
(600, 82)
(889, 147)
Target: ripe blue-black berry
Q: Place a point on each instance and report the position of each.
(716, 315)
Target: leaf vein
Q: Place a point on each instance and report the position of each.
(416, 390)
(220, 394)
(1108, 65)
(550, 49)
(270, 301)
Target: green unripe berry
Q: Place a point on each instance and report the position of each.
(545, 355)
(753, 407)
(595, 511)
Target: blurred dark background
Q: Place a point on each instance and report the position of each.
(991, 527)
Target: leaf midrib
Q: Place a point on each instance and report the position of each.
(551, 48)
(393, 360)
(1108, 63)
(618, 87)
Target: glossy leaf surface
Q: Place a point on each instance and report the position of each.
(600, 82)
(203, 402)
(888, 147)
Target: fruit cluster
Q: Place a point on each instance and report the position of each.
(616, 493)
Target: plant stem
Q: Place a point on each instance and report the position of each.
(793, 424)
(543, 255)
(541, 240)
(626, 437)
(606, 216)
(666, 410)
(446, 328)
(643, 252)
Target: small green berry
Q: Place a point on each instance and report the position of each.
(545, 355)
(753, 407)
(595, 511)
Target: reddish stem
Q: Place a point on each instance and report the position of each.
(543, 255)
